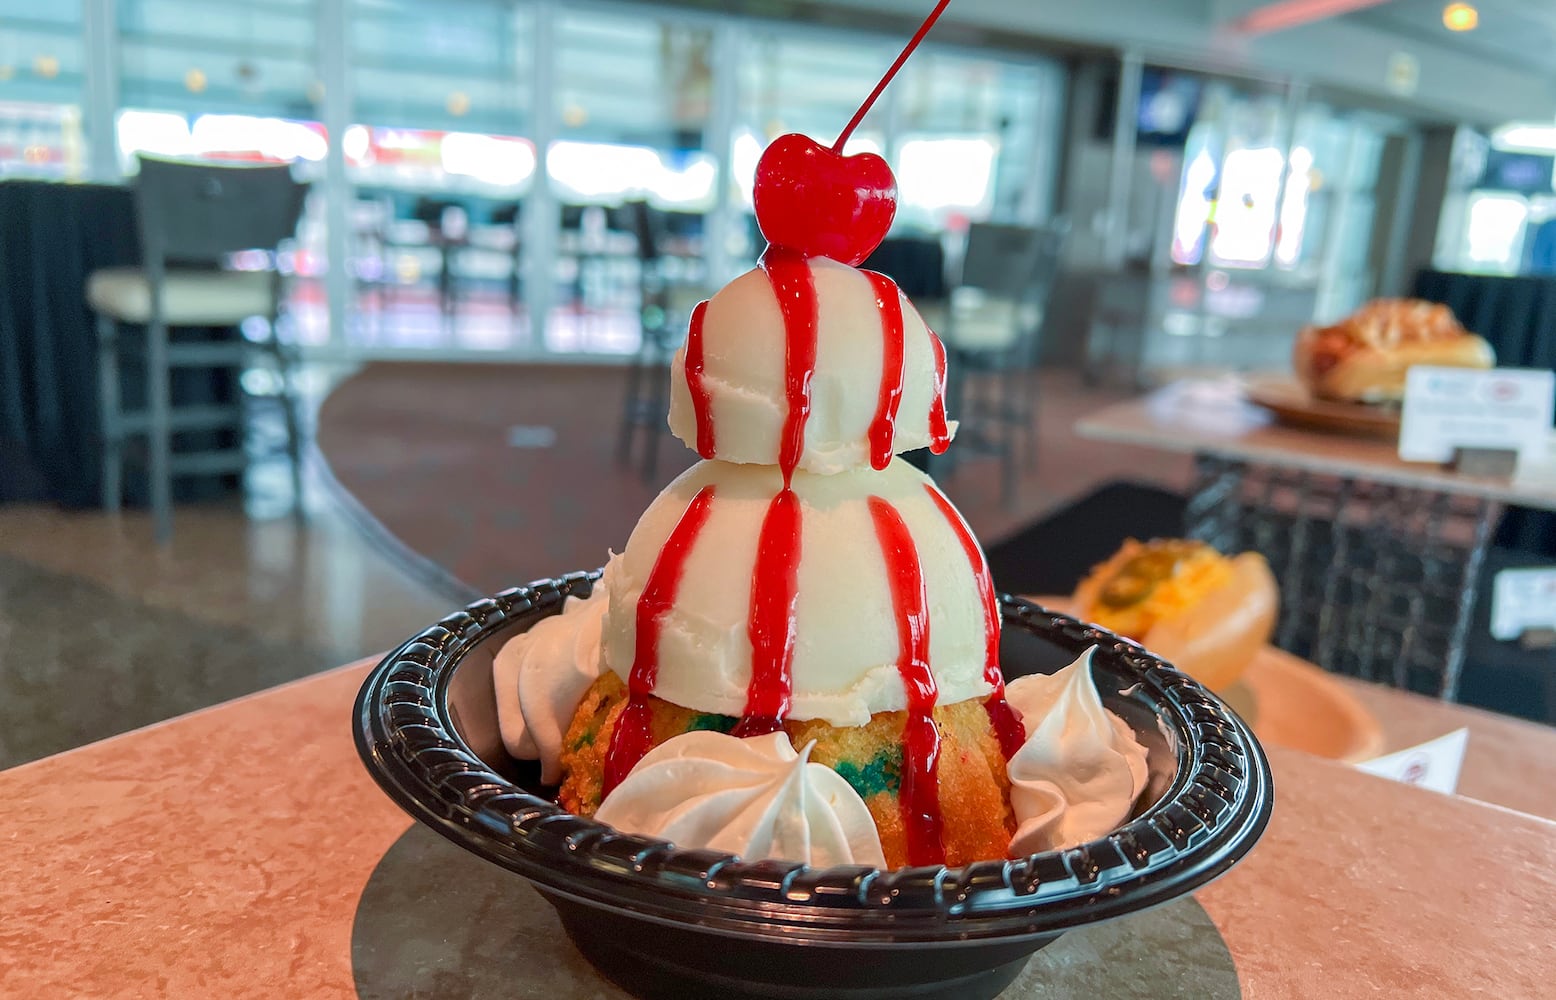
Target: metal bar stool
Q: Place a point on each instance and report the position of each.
(192, 217)
(992, 322)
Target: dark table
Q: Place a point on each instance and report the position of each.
(52, 236)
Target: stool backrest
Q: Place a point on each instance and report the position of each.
(1016, 266)
(647, 225)
(1047, 258)
(198, 213)
(1013, 262)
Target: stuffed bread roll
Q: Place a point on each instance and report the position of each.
(1205, 613)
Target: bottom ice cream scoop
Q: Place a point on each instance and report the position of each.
(733, 544)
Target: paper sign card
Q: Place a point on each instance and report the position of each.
(1537, 468)
(1433, 765)
(1450, 408)
(1521, 600)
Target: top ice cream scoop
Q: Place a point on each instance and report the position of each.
(874, 387)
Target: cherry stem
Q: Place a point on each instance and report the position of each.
(864, 109)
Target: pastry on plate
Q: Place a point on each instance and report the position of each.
(1206, 614)
(1364, 357)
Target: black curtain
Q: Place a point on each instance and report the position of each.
(52, 236)
(1516, 314)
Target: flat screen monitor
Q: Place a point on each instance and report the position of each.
(1523, 173)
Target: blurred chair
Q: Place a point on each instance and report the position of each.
(574, 243)
(448, 231)
(511, 217)
(916, 264)
(991, 323)
(1115, 338)
(192, 216)
(666, 306)
(371, 216)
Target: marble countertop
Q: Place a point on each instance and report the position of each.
(1212, 416)
(230, 853)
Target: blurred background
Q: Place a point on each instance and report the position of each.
(509, 207)
(1227, 168)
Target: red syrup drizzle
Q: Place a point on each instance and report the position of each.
(795, 289)
(883, 429)
(939, 431)
(702, 399)
(630, 739)
(775, 577)
(919, 798)
(770, 625)
(1007, 725)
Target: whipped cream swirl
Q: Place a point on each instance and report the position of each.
(753, 797)
(542, 675)
(1080, 771)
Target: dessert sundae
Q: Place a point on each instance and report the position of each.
(796, 655)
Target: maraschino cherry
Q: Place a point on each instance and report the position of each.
(821, 203)
(817, 202)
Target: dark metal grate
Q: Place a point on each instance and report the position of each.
(1377, 580)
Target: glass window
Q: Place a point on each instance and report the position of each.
(968, 136)
(798, 82)
(234, 83)
(219, 81)
(633, 99)
(963, 133)
(440, 163)
(41, 83)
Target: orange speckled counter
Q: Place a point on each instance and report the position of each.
(224, 854)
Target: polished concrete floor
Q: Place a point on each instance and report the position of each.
(102, 631)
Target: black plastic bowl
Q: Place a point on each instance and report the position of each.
(685, 924)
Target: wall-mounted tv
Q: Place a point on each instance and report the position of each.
(1523, 173)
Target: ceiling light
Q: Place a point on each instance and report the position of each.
(1525, 137)
(1460, 17)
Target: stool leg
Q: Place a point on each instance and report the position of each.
(109, 418)
(287, 371)
(1029, 416)
(658, 407)
(631, 407)
(1009, 455)
(159, 437)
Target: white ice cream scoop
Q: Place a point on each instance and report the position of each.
(744, 341)
(847, 632)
